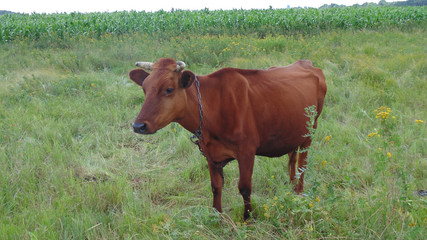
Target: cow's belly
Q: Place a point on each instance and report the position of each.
(280, 144)
(275, 150)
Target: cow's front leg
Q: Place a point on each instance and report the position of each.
(246, 167)
(217, 180)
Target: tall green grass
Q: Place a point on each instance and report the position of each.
(72, 168)
(51, 27)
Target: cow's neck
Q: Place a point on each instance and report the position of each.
(191, 119)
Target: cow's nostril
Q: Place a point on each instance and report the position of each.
(139, 127)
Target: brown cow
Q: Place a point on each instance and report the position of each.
(235, 114)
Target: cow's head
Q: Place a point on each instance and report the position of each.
(165, 96)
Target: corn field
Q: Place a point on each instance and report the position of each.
(59, 26)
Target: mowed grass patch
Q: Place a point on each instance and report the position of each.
(73, 168)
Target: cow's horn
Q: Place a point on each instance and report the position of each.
(180, 65)
(145, 65)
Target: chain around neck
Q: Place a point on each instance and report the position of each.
(197, 137)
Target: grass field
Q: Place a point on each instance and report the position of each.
(72, 168)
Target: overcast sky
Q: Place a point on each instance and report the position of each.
(60, 6)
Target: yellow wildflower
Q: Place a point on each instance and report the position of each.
(372, 134)
(310, 205)
(276, 198)
(317, 199)
(419, 121)
(328, 138)
(389, 154)
(323, 163)
(383, 112)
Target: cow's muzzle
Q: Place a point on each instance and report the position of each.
(140, 128)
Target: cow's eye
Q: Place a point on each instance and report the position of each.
(169, 91)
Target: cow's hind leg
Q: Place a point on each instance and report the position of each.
(291, 166)
(300, 156)
(299, 180)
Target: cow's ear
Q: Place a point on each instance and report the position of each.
(138, 76)
(187, 78)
